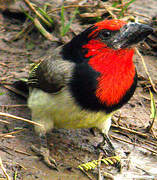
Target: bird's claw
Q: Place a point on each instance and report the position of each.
(106, 146)
(44, 153)
(106, 149)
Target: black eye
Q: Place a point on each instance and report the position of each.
(105, 34)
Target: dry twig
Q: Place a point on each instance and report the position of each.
(86, 173)
(16, 91)
(110, 12)
(4, 170)
(6, 122)
(71, 6)
(146, 70)
(119, 139)
(147, 98)
(36, 12)
(13, 105)
(11, 133)
(99, 167)
(18, 151)
(131, 131)
(20, 118)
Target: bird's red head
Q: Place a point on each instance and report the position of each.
(115, 66)
(107, 49)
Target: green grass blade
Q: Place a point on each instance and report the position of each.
(65, 28)
(121, 14)
(128, 4)
(153, 107)
(27, 15)
(62, 16)
(44, 13)
(42, 29)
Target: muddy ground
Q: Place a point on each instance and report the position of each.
(70, 148)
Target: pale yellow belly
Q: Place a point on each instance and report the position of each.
(60, 111)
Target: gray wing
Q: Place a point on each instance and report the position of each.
(52, 74)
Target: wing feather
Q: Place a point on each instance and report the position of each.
(52, 73)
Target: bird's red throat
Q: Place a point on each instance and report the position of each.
(116, 70)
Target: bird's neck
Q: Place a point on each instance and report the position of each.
(116, 70)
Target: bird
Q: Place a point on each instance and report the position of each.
(82, 83)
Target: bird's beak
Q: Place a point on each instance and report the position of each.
(130, 34)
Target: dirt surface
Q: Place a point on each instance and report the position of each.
(69, 148)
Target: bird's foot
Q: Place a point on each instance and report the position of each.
(106, 146)
(109, 151)
(44, 153)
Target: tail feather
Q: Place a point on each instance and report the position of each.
(22, 87)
